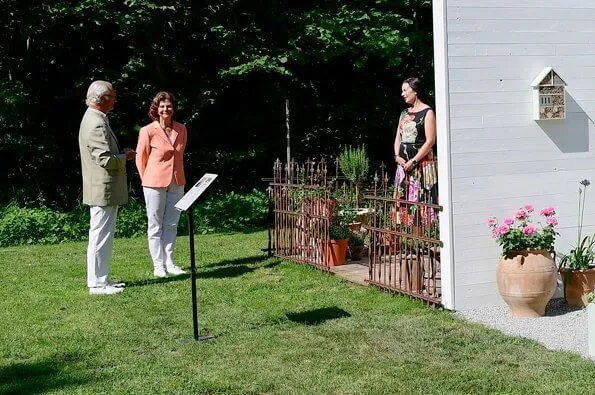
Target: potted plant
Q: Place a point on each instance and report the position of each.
(356, 246)
(354, 165)
(337, 246)
(526, 272)
(576, 267)
(347, 208)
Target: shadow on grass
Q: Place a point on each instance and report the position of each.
(226, 272)
(39, 377)
(229, 268)
(317, 316)
(240, 261)
(152, 281)
(238, 267)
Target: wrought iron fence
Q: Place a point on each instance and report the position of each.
(404, 242)
(303, 207)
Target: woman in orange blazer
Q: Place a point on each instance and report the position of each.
(160, 163)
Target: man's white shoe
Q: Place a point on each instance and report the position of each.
(106, 290)
(113, 284)
(173, 269)
(159, 272)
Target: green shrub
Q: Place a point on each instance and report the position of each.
(355, 240)
(42, 225)
(39, 226)
(355, 165)
(339, 232)
(132, 219)
(229, 212)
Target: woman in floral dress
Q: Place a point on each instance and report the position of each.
(416, 177)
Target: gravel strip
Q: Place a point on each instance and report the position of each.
(562, 328)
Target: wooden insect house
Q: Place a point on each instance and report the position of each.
(549, 96)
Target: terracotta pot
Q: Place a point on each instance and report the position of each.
(355, 227)
(577, 284)
(336, 252)
(527, 281)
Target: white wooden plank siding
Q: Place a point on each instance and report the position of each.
(500, 159)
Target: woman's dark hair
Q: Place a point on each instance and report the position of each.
(419, 88)
(416, 84)
(161, 96)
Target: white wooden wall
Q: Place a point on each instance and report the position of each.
(501, 159)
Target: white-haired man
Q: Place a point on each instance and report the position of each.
(104, 184)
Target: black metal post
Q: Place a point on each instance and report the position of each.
(206, 336)
(271, 222)
(193, 271)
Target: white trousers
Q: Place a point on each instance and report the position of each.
(162, 221)
(102, 227)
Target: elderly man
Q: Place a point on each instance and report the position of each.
(104, 184)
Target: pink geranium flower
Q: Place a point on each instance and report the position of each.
(520, 214)
(547, 211)
(518, 232)
(502, 230)
(529, 230)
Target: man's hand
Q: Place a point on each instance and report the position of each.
(130, 153)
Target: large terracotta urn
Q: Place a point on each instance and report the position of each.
(527, 281)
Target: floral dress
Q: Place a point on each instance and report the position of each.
(421, 183)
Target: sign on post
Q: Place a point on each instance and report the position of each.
(193, 193)
(185, 203)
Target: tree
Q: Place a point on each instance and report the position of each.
(232, 63)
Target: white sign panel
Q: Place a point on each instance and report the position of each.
(190, 197)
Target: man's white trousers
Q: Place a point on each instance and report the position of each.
(101, 240)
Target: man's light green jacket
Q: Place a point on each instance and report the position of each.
(103, 166)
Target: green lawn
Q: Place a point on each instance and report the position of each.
(279, 327)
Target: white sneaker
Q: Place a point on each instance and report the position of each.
(173, 269)
(159, 272)
(106, 290)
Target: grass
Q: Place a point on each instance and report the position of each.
(279, 327)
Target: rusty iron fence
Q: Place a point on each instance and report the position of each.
(302, 210)
(404, 241)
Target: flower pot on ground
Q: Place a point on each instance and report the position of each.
(337, 246)
(355, 227)
(527, 281)
(363, 215)
(577, 268)
(336, 252)
(577, 284)
(526, 274)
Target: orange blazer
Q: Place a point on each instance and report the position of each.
(158, 160)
